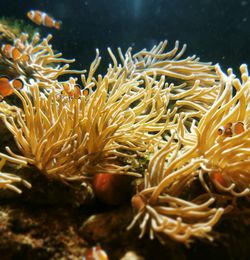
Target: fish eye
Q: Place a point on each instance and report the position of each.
(221, 131)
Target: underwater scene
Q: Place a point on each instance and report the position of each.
(124, 129)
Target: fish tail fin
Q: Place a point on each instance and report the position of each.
(58, 25)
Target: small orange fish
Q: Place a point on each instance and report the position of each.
(230, 129)
(13, 53)
(73, 92)
(95, 253)
(67, 89)
(41, 18)
(238, 128)
(77, 91)
(85, 92)
(7, 86)
(217, 177)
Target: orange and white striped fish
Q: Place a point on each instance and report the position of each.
(7, 86)
(230, 129)
(41, 18)
(218, 178)
(11, 52)
(73, 91)
(85, 92)
(95, 253)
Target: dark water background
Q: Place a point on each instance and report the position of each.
(215, 30)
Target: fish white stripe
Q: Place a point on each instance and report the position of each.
(32, 14)
(43, 18)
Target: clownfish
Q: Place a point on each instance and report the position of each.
(230, 129)
(85, 92)
(7, 86)
(41, 18)
(11, 52)
(217, 177)
(95, 253)
(73, 92)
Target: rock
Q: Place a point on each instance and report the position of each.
(112, 189)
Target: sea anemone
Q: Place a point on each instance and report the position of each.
(6, 32)
(7, 180)
(71, 138)
(37, 61)
(169, 64)
(188, 119)
(191, 84)
(225, 154)
(201, 151)
(160, 207)
(11, 28)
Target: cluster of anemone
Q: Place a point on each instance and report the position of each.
(11, 28)
(8, 180)
(36, 60)
(5, 32)
(191, 83)
(72, 138)
(201, 152)
(152, 105)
